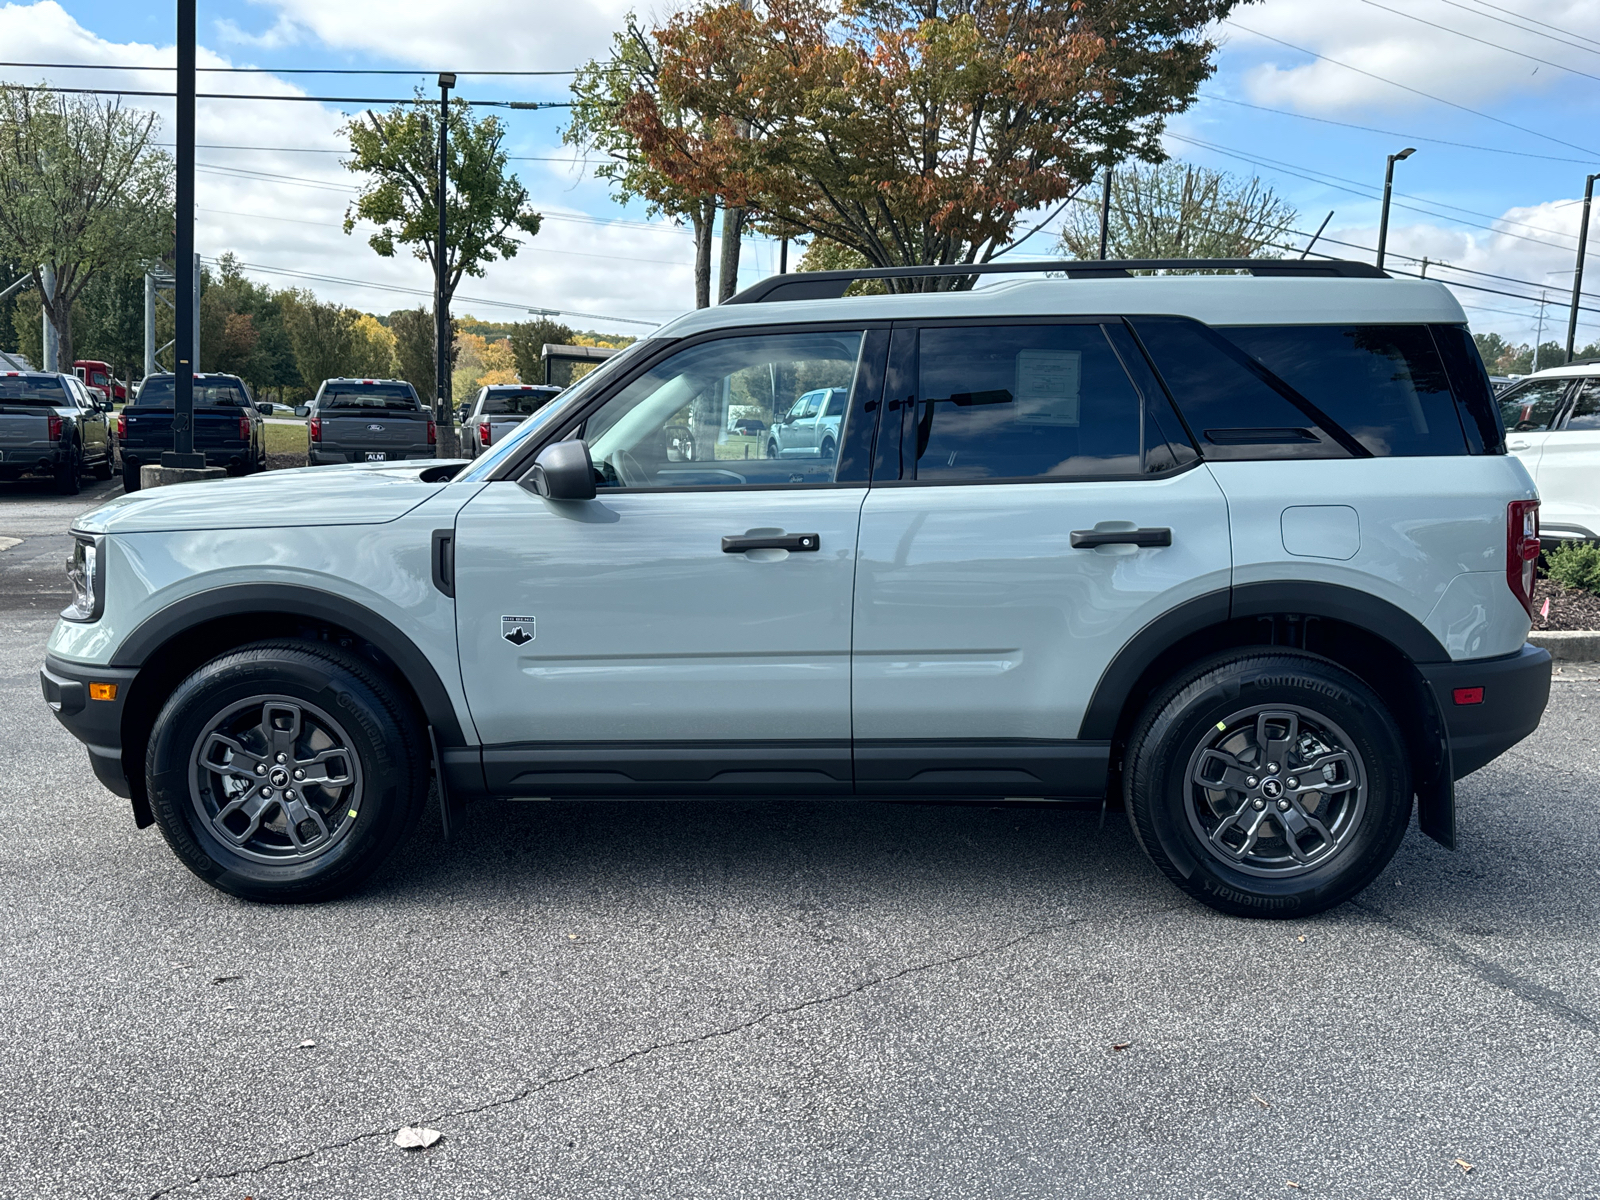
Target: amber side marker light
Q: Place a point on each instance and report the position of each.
(1462, 695)
(102, 691)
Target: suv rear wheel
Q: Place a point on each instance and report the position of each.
(1268, 783)
(286, 771)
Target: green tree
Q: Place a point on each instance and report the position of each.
(486, 209)
(600, 89)
(1179, 210)
(528, 339)
(108, 321)
(324, 337)
(909, 131)
(82, 189)
(413, 349)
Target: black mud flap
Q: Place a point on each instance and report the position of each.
(1436, 804)
(446, 807)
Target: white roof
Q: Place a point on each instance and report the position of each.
(1214, 299)
(1563, 372)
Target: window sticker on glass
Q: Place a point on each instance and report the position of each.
(1048, 386)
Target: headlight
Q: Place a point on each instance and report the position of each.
(88, 585)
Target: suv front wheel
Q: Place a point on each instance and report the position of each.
(286, 771)
(1268, 783)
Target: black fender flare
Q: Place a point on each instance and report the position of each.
(1383, 620)
(241, 599)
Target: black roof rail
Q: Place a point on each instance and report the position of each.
(830, 285)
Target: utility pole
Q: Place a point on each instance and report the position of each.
(443, 417)
(1539, 333)
(1577, 274)
(1105, 215)
(51, 339)
(1388, 187)
(187, 298)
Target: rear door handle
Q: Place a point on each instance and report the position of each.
(777, 541)
(1088, 539)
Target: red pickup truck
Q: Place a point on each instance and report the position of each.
(98, 374)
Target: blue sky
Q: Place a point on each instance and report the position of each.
(1500, 97)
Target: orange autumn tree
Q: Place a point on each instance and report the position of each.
(915, 133)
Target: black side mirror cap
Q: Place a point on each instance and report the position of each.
(264, 409)
(563, 471)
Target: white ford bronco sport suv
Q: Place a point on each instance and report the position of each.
(1243, 550)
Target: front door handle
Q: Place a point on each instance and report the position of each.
(775, 541)
(1519, 445)
(1088, 539)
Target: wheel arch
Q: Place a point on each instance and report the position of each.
(1375, 640)
(168, 645)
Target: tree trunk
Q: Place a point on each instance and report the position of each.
(728, 269)
(703, 214)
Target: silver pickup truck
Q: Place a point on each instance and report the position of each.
(51, 426)
(368, 420)
(497, 409)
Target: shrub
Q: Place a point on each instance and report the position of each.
(1576, 564)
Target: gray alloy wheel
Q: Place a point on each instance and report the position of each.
(1275, 790)
(276, 779)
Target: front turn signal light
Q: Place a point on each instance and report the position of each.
(102, 691)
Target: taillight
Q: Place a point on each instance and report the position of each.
(1522, 549)
(316, 429)
(55, 427)
(483, 434)
(244, 428)
(433, 434)
(122, 426)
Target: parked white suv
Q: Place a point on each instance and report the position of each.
(1552, 421)
(1242, 552)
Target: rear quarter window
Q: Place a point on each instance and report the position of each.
(1384, 384)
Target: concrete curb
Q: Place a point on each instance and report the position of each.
(1579, 645)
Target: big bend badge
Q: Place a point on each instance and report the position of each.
(519, 631)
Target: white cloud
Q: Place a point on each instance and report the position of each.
(1394, 47)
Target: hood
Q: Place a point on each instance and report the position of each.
(352, 494)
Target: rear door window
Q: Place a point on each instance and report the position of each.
(1384, 384)
(1023, 402)
(1585, 415)
(1531, 407)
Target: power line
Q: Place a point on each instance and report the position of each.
(346, 150)
(1410, 137)
(1536, 21)
(268, 70)
(511, 104)
(1414, 91)
(1560, 41)
(1481, 41)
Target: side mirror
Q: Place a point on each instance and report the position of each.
(302, 410)
(563, 471)
(264, 408)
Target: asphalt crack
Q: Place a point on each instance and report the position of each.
(532, 1090)
(1545, 999)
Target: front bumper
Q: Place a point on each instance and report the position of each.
(95, 723)
(1489, 704)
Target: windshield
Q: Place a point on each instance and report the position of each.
(33, 391)
(517, 402)
(576, 394)
(226, 392)
(369, 395)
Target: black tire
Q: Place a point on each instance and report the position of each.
(772, 449)
(130, 477)
(1223, 721)
(69, 475)
(829, 450)
(377, 741)
(105, 468)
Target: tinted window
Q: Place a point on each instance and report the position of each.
(517, 402)
(368, 395)
(1235, 407)
(670, 427)
(157, 392)
(1384, 384)
(1531, 407)
(1022, 402)
(1586, 408)
(1474, 391)
(33, 391)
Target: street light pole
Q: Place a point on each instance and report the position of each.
(1577, 273)
(1105, 215)
(1388, 188)
(443, 417)
(184, 292)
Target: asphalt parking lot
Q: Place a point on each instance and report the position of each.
(759, 999)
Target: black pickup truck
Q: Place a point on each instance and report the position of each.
(228, 428)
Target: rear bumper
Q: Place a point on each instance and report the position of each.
(95, 723)
(144, 457)
(324, 455)
(23, 460)
(1515, 689)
